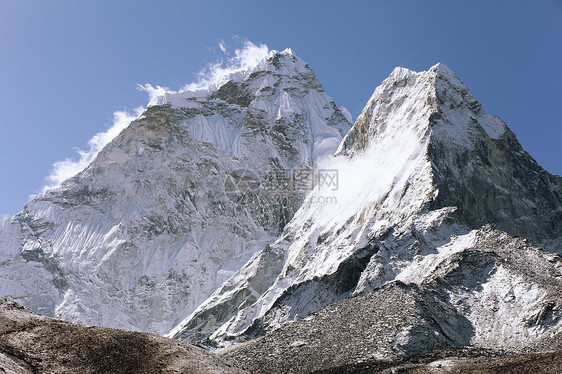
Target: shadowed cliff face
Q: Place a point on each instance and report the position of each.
(519, 197)
(30, 343)
(493, 180)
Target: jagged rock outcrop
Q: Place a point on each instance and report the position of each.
(176, 203)
(385, 324)
(421, 169)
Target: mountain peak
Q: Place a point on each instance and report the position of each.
(283, 63)
(184, 196)
(471, 153)
(400, 72)
(433, 102)
(442, 69)
(286, 51)
(437, 71)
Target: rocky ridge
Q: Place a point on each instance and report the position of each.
(477, 297)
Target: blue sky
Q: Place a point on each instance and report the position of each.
(67, 66)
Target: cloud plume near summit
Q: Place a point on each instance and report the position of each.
(214, 74)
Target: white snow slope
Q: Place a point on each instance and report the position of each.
(175, 204)
(422, 167)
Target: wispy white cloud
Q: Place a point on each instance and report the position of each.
(153, 92)
(243, 59)
(67, 168)
(217, 73)
(222, 46)
(5, 215)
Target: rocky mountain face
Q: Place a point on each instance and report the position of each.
(477, 164)
(176, 203)
(435, 201)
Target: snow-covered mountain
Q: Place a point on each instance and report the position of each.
(227, 211)
(420, 174)
(176, 203)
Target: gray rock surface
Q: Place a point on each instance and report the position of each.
(472, 298)
(386, 324)
(30, 343)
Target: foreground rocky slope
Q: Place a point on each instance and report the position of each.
(30, 343)
(460, 361)
(176, 203)
(421, 169)
(476, 296)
